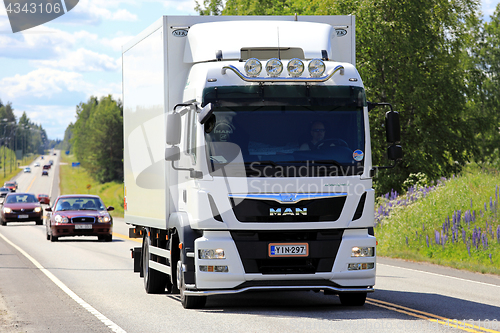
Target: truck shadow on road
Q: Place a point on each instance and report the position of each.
(327, 307)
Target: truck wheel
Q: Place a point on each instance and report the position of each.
(53, 238)
(39, 222)
(154, 281)
(188, 302)
(355, 299)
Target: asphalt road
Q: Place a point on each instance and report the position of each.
(82, 285)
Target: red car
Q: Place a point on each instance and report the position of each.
(79, 215)
(46, 166)
(12, 186)
(21, 207)
(43, 199)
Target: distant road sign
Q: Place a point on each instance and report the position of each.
(89, 187)
(75, 164)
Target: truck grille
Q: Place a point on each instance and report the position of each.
(253, 249)
(318, 210)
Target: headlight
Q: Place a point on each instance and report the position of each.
(295, 67)
(253, 67)
(38, 209)
(211, 254)
(316, 67)
(7, 210)
(61, 219)
(104, 219)
(274, 67)
(362, 251)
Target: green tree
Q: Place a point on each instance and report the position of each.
(97, 138)
(485, 85)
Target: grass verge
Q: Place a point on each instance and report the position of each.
(455, 225)
(76, 180)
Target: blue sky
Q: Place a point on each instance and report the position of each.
(47, 70)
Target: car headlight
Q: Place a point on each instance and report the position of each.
(104, 219)
(61, 219)
(362, 251)
(316, 67)
(7, 210)
(38, 209)
(211, 254)
(295, 67)
(274, 67)
(253, 67)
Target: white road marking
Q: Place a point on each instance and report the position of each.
(69, 292)
(447, 276)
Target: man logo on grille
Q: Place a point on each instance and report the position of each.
(26, 14)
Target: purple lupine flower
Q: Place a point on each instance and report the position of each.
(498, 233)
(491, 203)
(474, 216)
(423, 226)
(436, 236)
(485, 207)
(463, 235)
(468, 248)
(406, 240)
(427, 240)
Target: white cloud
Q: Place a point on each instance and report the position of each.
(43, 82)
(116, 43)
(94, 11)
(182, 5)
(53, 118)
(81, 60)
(41, 42)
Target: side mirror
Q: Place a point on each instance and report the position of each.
(392, 127)
(172, 153)
(205, 113)
(48, 209)
(174, 129)
(394, 153)
(110, 208)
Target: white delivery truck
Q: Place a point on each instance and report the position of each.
(248, 158)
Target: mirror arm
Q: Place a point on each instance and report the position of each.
(192, 172)
(376, 168)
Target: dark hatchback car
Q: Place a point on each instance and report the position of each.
(21, 207)
(79, 215)
(4, 191)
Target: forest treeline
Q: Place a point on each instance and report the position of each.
(437, 62)
(19, 137)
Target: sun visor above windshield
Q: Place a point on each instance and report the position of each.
(205, 40)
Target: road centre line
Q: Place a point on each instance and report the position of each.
(429, 316)
(436, 274)
(114, 327)
(126, 237)
(31, 184)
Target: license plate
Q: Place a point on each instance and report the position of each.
(288, 250)
(83, 226)
(22, 216)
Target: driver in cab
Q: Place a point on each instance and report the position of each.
(317, 141)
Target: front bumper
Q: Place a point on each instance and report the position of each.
(69, 229)
(22, 217)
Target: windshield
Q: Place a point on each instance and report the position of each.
(324, 138)
(75, 203)
(21, 198)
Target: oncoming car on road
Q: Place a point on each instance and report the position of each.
(21, 207)
(12, 186)
(43, 198)
(45, 173)
(79, 215)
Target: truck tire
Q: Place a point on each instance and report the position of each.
(354, 299)
(154, 281)
(53, 238)
(39, 222)
(188, 302)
